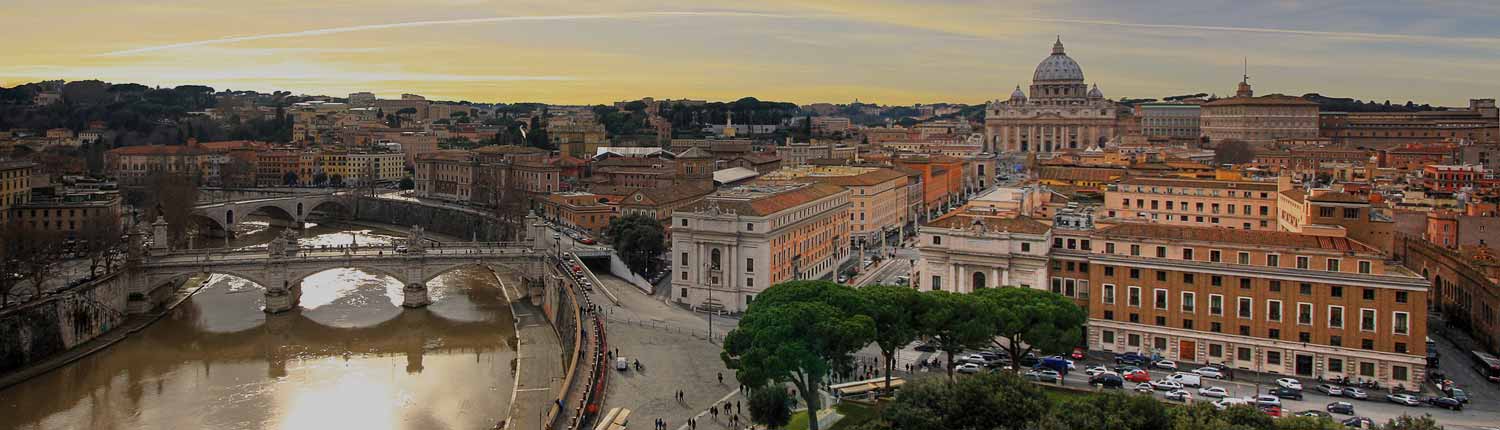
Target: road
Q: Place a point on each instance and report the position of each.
(887, 271)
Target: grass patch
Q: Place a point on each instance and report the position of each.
(854, 414)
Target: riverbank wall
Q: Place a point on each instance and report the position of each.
(62, 320)
(464, 224)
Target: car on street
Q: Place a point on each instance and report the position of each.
(1070, 364)
(1077, 353)
(1166, 384)
(968, 368)
(1095, 370)
(1144, 388)
(1132, 358)
(1267, 400)
(1165, 364)
(1355, 393)
(1137, 375)
(1216, 392)
(1273, 410)
(1289, 383)
(1209, 372)
(925, 347)
(1044, 375)
(982, 359)
(1330, 389)
(1226, 402)
(1314, 413)
(1286, 393)
(1403, 399)
(1179, 395)
(1458, 394)
(1446, 403)
(1107, 380)
(1344, 408)
(1187, 379)
(1359, 423)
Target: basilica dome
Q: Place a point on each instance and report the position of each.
(1058, 67)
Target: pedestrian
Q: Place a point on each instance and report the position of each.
(721, 378)
(715, 412)
(736, 407)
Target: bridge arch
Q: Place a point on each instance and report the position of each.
(374, 270)
(450, 268)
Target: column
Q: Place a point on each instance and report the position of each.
(283, 298)
(415, 295)
(958, 279)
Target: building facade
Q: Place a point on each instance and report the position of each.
(15, 186)
(739, 241)
(1170, 119)
(966, 252)
(1259, 120)
(1192, 202)
(1061, 113)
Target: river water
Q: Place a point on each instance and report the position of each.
(349, 357)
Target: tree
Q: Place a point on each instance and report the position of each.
(1308, 423)
(798, 332)
(407, 183)
(1408, 422)
(637, 238)
(336, 181)
(100, 233)
(31, 253)
(319, 179)
(289, 178)
(954, 323)
(1111, 411)
(172, 196)
(1233, 151)
(508, 202)
(986, 401)
(770, 406)
(894, 309)
(1030, 319)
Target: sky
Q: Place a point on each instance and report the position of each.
(1442, 52)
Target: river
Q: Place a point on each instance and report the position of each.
(349, 357)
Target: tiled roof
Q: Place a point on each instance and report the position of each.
(232, 144)
(1339, 197)
(767, 203)
(961, 221)
(675, 193)
(872, 177)
(1272, 239)
(1079, 173)
(1201, 183)
(157, 150)
(1273, 99)
(508, 149)
(446, 155)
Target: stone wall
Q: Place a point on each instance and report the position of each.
(39, 330)
(462, 224)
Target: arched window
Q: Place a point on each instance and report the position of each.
(229, 217)
(713, 259)
(979, 280)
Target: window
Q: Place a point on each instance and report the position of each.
(1187, 324)
(1109, 294)
(1275, 286)
(1367, 343)
(937, 240)
(1107, 336)
(1161, 276)
(751, 227)
(1215, 304)
(1335, 365)
(937, 282)
(1215, 350)
(1246, 308)
(1244, 330)
(1243, 354)
(1134, 296)
(1273, 260)
(1161, 252)
(1368, 293)
(1135, 317)
(684, 222)
(1364, 267)
(749, 282)
(1304, 289)
(1160, 343)
(1304, 337)
(1397, 372)
(1336, 291)
(1336, 340)
(1214, 255)
(1161, 320)
(1301, 262)
(1244, 258)
(1135, 273)
(749, 265)
(1215, 327)
(1273, 310)
(1109, 315)
(684, 259)
(1109, 247)
(1273, 357)
(1401, 347)
(1109, 271)
(1401, 297)
(1135, 250)
(1351, 213)
(1025, 247)
(1325, 212)
(1333, 265)
(1160, 299)
(1245, 283)
(1187, 278)
(1133, 340)
(1304, 313)
(1189, 301)
(1335, 317)
(1187, 253)
(1367, 369)
(1400, 323)
(684, 275)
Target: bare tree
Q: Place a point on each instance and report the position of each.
(172, 196)
(510, 204)
(100, 233)
(1233, 151)
(29, 254)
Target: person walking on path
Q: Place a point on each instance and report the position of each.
(721, 378)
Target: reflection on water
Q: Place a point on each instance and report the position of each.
(350, 357)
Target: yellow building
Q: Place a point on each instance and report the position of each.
(15, 186)
(877, 196)
(1192, 202)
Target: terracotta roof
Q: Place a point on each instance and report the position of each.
(695, 152)
(157, 150)
(226, 145)
(962, 221)
(675, 193)
(508, 149)
(1201, 183)
(1273, 99)
(759, 203)
(1273, 239)
(1296, 194)
(872, 177)
(761, 158)
(446, 154)
(1079, 173)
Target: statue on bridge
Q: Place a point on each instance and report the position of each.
(416, 241)
(284, 244)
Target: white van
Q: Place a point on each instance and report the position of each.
(1187, 379)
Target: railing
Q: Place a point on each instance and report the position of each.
(215, 203)
(593, 396)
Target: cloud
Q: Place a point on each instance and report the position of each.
(409, 24)
(1346, 35)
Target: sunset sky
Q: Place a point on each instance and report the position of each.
(889, 52)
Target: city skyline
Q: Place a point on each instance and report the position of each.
(882, 52)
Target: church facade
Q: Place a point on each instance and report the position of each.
(1061, 112)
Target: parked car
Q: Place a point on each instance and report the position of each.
(1144, 388)
(1107, 380)
(1070, 364)
(1132, 358)
(1187, 379)
(1077, 353)
(1215, 392)
(1137, 375)
(1095, 370)
(1273, 410)
(1403, 399)
(1209, 372)
(1289, 383)
(1330, 389)
(1058, 364)
(1166, 384)
(1286, 393)
(925, 347)
(1458, 394)
(1355, 393)
(1044, 375)
(1179, 395)
(1359, 423)
(1226, 402)
(968, 368)
(1165, 364)
(1267, 400)
(1345, 408)
(1446, 403)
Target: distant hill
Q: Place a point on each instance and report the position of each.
(1332, 104)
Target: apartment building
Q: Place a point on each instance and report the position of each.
(1282, 302)
(878, 197)
(15, 185)
(964, 252)
(584, 211)
(1194, 202)
(446, 175)
(134, 165)
(741, 240)
(68, 212)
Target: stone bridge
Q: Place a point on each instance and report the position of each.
(285, 209)
(281, 267)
